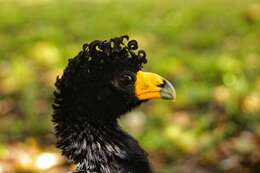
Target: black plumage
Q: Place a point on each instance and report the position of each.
(95, 89)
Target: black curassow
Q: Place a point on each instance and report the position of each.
(100, 84)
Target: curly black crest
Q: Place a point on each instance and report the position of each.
(103, 55)
(117, 49)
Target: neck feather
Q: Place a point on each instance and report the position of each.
(103, 148)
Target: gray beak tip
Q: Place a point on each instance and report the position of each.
(167, 91)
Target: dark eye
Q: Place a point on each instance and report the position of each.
(127, 79)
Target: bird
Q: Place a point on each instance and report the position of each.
(100, 84)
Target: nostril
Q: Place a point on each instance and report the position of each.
(162, 84)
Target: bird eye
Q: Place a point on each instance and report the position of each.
(127, 79)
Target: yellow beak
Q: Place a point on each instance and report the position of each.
(152, 86)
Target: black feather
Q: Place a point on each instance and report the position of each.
(89, 97)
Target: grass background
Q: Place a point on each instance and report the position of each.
(209, 49)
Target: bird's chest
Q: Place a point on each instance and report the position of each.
(110, 158)
(104, 151)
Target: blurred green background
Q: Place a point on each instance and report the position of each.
(210, 50)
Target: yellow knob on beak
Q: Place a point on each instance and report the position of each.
(152, 86)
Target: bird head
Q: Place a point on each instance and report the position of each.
(105, 80)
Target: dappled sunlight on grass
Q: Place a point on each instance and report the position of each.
(30, 157)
